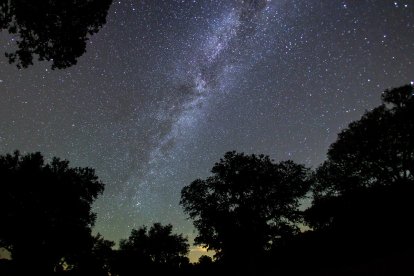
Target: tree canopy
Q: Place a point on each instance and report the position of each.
(375, 151)
(155, 249)
(246, 205)
(96, 261)
(55, 31)
(363, 191)
(158, 243)
(45, 210)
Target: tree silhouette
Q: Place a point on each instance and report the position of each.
(55, 31)
(157, 250)
(96, 261)
(375, 151)
(246, 206)
(363, 191)
(45, 211)
(205, 266)
(205, 260)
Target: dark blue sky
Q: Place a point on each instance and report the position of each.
(167, 87)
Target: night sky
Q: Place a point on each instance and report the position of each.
(167, 87)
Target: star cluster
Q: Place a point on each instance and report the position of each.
(167, 87)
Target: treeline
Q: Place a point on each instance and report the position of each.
(248, 211)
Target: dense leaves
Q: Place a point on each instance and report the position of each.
(154, 250)
(377, 150)
(45, 210)
(363, 191)
(52, 30)
(96, 261)
(246, 206)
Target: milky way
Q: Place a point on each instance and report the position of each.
(167, 87)
(202, 74)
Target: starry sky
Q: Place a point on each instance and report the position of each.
(168, 86)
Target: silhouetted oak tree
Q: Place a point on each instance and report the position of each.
(205, 266)
(97, 261)
(205, 260)
(375, 151)
(247, 205)
(363, 191)
(154, 250)
(45, 211)
(53, 30)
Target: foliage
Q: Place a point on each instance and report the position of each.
(205, 260)
(375, 151)
(247, 205)
(156, 250)
(158, 243)
(97, 261)
(55, 31)
(45, 210)
(363, 191)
